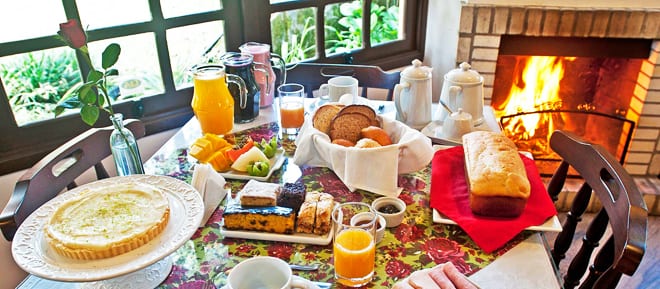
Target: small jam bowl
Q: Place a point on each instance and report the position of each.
(392, 209)
(365, 216)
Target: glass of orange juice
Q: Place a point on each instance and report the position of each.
(354, 245)
(292, 109)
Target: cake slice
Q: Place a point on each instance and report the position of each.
(324, 206)
(292, 196)
(259, 194)
(307, 213)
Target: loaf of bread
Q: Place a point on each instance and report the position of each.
(495, 174)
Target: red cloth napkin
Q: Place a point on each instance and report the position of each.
(449, 195)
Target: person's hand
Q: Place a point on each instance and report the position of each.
(443, 276)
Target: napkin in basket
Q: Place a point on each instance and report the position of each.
(211, 186)
(372, 169)
(450, 196)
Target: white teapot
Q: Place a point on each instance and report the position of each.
(463, 88)
(412, 96)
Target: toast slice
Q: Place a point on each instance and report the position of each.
(324, 115)
(348, 126)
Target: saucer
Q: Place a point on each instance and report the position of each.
(434, 129)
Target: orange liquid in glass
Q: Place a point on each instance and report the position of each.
(354, 254)
(212, 103)
(292, 114)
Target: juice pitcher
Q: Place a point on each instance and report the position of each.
(266, 80)
(212, 102)
(242, 64)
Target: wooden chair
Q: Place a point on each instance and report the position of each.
(623, 208)
(58, 171)
(312, 75)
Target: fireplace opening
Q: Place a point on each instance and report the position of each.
(589, 86)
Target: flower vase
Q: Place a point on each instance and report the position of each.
(124, 148)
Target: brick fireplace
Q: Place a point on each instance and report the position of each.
(483, 25)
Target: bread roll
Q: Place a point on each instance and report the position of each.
(376, 133)
(367, 143)
(495, 174)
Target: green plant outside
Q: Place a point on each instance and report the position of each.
(293, 32)
(36, 82)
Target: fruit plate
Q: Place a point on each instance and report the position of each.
(275, 164)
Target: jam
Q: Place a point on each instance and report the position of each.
(388, 209)
(364, 222)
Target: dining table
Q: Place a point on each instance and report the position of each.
(417, 243)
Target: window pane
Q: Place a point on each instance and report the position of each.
(97, 14)
(18, 19)
(188, 44)
(36, 81)
(343, 27)
(139, 71)
(173, 8)
(293, 34)
(386, 21)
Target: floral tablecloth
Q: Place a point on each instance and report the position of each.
(415, 244)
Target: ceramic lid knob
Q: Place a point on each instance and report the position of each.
(416, 71)
(463, 74)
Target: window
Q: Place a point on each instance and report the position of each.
(160, 39)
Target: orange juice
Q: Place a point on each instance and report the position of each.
(212, 102)
(354, 254)
(292, 114)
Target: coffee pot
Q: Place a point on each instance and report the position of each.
(412, 96)
(463, 88)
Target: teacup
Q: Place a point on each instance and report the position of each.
(338, 86)
(456, 125)
(264, 272)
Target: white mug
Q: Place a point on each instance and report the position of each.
(338, 86)
(264, 272)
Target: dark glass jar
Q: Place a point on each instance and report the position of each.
(242, 65)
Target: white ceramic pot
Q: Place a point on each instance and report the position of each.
(463, 88)
(412, 96)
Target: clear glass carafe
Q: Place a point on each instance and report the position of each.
(124, 148)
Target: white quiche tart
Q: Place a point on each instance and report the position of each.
(108, 221)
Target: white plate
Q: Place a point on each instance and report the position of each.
(550, 225)
(275, 164)
(308, 284)
(289, 238)
(32, 253)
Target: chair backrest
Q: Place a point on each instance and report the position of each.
(623, 208)
(312, 75)
(58, 171)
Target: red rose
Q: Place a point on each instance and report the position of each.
(397, 269)
(73, 34)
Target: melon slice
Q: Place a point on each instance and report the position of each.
(252, 155)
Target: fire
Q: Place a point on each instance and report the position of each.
(536, 88)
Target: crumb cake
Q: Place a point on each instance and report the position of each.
(108, 221)
(315, 213)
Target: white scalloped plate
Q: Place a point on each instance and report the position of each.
(32, 253)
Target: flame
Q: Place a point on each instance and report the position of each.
(535, 88)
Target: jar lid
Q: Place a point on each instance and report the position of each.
(464, 74)
(416, 71)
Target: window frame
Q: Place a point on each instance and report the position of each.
(21, 147)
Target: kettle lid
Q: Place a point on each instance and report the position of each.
(464, 74)
(460, 115)
(416, 71)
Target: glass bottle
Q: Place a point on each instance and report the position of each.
(212, 102)
(124, 148)
(241, 64)
(266, 80)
